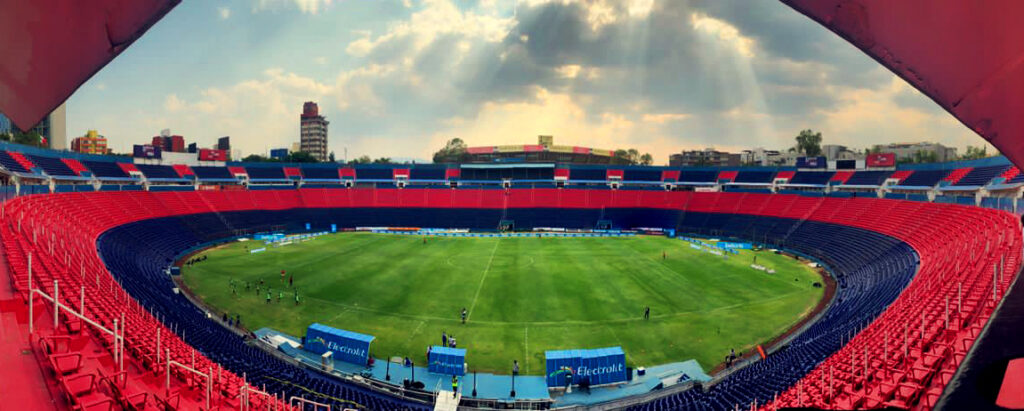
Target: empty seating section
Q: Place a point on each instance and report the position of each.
(374, 174)
(765, 177)
(811, 177)
(980, 176)
(925, 178)
(183, 170)
(587, 174)
(1010, 174)
(698, 176)
(320, 173)
(152, 171)
(75, 166)
(52, 165)
(427, 173)
(726, 175)
(11, 164)
(897, 264)
(1019, 178)
(265, 173)
(953, 178)
(497, 174)
(901, 175)
(105, 169)
(212, 173)
(868, 178)
(636, 174)
(841, 176)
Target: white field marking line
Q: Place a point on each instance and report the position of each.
(450, 261)
(482, 278)
(526, 348)
(415, 331)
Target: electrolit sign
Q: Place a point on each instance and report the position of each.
(736, 246)
(347, 346)
(596, 367)
(334, 228)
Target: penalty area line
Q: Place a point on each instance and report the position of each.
(482, 278)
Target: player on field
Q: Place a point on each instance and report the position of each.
(647, 312)
(464, 314)
(268, 296)
(444, 339)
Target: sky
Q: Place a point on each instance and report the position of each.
(398, 78)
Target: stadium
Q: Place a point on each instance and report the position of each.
(244, 285)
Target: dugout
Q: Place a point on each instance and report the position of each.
(448, 361)
(348, 346)
(597, 366)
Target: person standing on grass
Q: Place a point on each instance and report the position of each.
(663, 255)
(647, 312)
(515, 367)
(291, 278)
(268, 296)
(464, 314)
(444, 339)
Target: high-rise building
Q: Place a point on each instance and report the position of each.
(168, 142)
(5, 124)
(705, 157)
(91, 143)
(313, 131)
(907, 151)
(224, 143)
(51, 127)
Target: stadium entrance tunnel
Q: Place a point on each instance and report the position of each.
(871, 270)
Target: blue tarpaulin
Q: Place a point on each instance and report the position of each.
(347, 346)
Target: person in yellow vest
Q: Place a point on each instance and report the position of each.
(455, 386)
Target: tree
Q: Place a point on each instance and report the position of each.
(256, 158)
(809, 142)
(301, 157)
(382, 160)
(5, 136)
(360, 160)
(646, 159)
(330, 157)
(452, 152)
(974, 153)
(31, 138)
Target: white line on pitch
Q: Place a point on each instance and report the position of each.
(482, 278)
(526, 348)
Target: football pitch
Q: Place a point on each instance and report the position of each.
(524, 295)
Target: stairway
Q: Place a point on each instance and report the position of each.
(447, 402)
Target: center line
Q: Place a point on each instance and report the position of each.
(482, 278)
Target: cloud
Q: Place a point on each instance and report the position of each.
(305, 6)
(223, 13)
(658, 75)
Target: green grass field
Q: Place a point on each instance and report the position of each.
(525, 295)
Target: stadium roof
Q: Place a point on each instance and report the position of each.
(966, 56)
(51, 47)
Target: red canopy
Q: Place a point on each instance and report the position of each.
(51, 47)
(966, 55)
